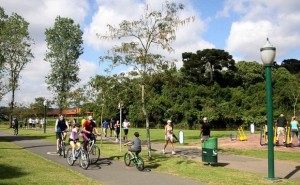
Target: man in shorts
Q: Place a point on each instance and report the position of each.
(61, 125)
(89, 127)
(281, 124)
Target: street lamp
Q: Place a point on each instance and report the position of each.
(120, 106)
(268, 53)
(45, 106)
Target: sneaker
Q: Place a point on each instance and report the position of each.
(283, 141)
(173, 152)
(163, 151)
(74, 159)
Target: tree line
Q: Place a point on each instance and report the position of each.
(209, 84)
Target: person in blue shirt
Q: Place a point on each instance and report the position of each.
(105, 127)
(294, 129)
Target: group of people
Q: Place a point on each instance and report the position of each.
(283, 124)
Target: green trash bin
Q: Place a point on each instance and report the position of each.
(210, 151)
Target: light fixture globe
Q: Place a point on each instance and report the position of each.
(45, 102)
(268, 53)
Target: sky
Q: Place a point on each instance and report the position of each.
(239, 27)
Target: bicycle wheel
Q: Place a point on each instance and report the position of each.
(139, 164)
(94, 154)
(127, 160)
(63, 148)
(70, 157)
(84, 160)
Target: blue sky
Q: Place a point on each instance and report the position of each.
(237, 26)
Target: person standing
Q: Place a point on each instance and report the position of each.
(281, 124)
(112, 127)
(30, 122)
(168, 137)
(205, 130)
(126, 125)
(15, 125)
(294, 129)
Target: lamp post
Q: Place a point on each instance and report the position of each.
(120, 139)
(45, 106)
(268, 53)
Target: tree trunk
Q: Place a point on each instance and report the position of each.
(147, 123)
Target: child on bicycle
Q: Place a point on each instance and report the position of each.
(136, 145)
(74, 139)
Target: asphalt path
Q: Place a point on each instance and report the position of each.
(106, 171)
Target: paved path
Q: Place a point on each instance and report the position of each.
(107, 171)
(128, 175)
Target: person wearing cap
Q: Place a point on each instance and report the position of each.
(136, 144)
(168, 137)
(89, 127)
(205, 130)
(74, 139)
(281, 124)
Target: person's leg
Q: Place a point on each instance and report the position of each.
(73, 149)
(165, 146)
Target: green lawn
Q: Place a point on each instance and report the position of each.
(164, 163)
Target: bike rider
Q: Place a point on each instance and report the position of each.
(61, 125)
(136, 145)
(88, 127)
(74, 139)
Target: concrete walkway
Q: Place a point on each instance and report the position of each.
(106, 169)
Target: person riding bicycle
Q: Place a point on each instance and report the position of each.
(88, 127)
(74, 139)
(137, 145)
(61, 125)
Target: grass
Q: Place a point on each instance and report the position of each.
(177, 165)
(19, 166)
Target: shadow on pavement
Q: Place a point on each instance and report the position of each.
(9, 172)
(20, 138)
(292, 172)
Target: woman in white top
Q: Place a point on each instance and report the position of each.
(126, 125)
(169, 136)
(74, 139)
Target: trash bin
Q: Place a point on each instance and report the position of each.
(210, 151)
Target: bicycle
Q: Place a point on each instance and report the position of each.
(80, 154)
(93, 151)
(62, 145)
(137, 160)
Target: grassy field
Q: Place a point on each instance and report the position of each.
(165, 163)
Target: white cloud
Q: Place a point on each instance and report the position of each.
(278, 20)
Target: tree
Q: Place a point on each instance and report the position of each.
(155, 29)
(15, 50)
(206, 65)
(64, 42)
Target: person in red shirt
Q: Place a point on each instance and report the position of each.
(89, 127)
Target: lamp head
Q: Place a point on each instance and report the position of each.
(268, 53)
(45, 102)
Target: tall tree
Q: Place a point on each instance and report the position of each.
(15, 50)
(155, 29)
(206, 65)
(64, 42)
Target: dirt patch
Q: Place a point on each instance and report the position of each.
(253, 142)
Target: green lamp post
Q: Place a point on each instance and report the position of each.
(45, 107)
(268, 53)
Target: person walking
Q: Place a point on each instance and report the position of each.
(281, 124)
(105, 127)
(168, 137)
(205, 130)
(117, 129)
(112, 127)
(294, 129)
(126, 125)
